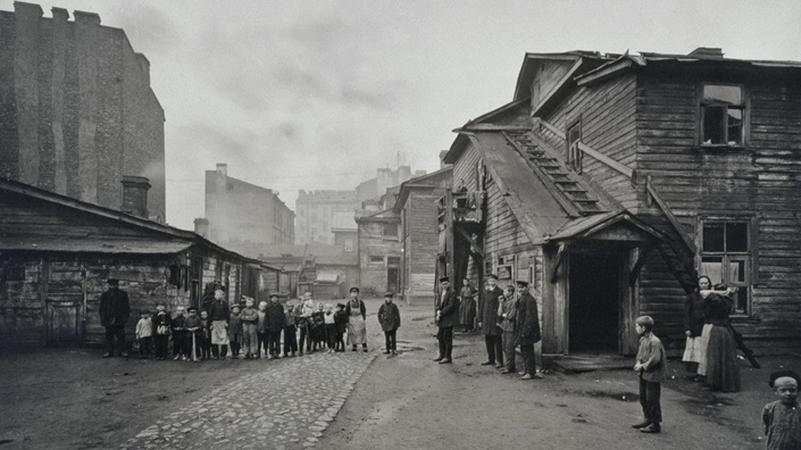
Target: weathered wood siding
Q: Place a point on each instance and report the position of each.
(420, 245)
(373, 275)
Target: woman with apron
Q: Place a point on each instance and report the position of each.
(357, 314)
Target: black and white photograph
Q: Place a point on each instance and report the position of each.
(377, 224)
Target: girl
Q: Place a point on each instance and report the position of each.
(695, 312)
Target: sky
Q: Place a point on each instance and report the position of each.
(318, 94)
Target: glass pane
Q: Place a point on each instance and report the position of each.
(736, 272)
(714, 123)
(737, 237)
(735, 126)
(741, 300)
(713, 237)
(730, 95)
(712, 266)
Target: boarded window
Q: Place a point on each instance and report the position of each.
(726, 258)
(574, 155)
(391, 230)
(722, 115)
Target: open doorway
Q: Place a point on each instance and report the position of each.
(594, 309)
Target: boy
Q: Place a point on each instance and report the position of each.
(262, 330)
(389, 318)
(290, 335)
(250, 335)
(235, 331)
(205, 335)
(782, 418)
(318, 328)
(341, 322)
(144, 334)
(650, 367)
(276, 319)
(179, 348)
(330, 327)
(161, 329)
(192, 335)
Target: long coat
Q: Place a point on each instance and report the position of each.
(448, 307)
(528, 321)
(695, 314)
(114, 308)
(389, 317)
(509, 314)
(275, 317)
(488, 316)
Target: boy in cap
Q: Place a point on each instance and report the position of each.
(389, 318)
(235, 331)
(144, 334)
(650, 367)
(782, 418)
(179, 335)
(161, 329)
(341, 322)
(192, 333)
(250, 335)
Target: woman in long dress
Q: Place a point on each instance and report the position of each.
(722, 372)
(467, 306)
(357, 315)
(695, 312)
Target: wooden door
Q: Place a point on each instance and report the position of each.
(64, 303)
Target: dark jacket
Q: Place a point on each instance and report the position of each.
(719, 307)
(528, 320)
(163, 323)
(341, 320)
(448, 306)
(219, 311)
(362, 309)
(695, 313)
(488, 316)
(276, 318)
(509, 310)
(235, 325)
(249, 315)
(178, 324)
(114, 308)
(389, 316)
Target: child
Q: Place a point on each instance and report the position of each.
(389, 318)
(341, 321)
(650, 367)
(290, 335)
(318, 328)
(192, 335)
(179, 349)
(782, 418)
(144, 334)
(235, 331)
(205, 335)
(262, 329)
(250, 335)
(161, 329)
(330, 328)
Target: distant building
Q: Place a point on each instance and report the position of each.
(379, 252)
(242, 215)
(319, 211)
(385, 178)
(325, 270)
(76, 109)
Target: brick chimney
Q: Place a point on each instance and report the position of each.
(202, 226)
(134, 195)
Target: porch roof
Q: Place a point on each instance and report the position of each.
(586, 227)
(94, 245)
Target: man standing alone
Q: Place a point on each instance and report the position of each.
(447, 317)
(114, 311)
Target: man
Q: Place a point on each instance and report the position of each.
(447, 317)
(528, 325)
(219, 314)
(114, 311)
(488, 322)
(509, 327)
(276, 319)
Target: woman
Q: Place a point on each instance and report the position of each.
(695, 312)
(722, 373)
(357, 314)
(467, 308)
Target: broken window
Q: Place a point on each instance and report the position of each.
(574, 154)
(726, 258)
(722, 115)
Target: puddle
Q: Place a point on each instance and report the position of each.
(6, 441)
(619, 396)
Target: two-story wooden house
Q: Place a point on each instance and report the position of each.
(612, 181)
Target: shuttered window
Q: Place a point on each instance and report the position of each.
(726, 258)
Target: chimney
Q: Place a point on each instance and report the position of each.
(708, 52)
(202, 226)
(442, 163)
(222, 168)
(134, 195)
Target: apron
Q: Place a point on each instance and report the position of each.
(219, 332)
(357, 328)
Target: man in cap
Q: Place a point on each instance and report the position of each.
(114, 312)
(488, 322)
(528, 328)
(447, 317)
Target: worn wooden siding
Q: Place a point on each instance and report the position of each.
(548, 75)
(607, 111)
(420, 240)
(373, 275)
(763, 180)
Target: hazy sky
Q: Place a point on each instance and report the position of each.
(316, 95)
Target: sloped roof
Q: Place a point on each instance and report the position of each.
(423, 181)
(142, 246)
(387, 215)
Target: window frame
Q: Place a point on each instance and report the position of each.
(727, 257)
(574, 155)
(746, 116)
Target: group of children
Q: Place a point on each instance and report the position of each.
(252, 332)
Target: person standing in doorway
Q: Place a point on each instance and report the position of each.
(488, 322)
(447, 317)
(357, 316)
(528, 330)
(219, 314)
(115, 309)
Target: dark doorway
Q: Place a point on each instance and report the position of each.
(594, 308)
(393, 279)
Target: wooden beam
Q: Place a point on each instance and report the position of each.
(669, 214)
(560, 256)
(472, 242)
(635, 271)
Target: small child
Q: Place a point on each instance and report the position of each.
(264, 341)
(341, 321)
(650, 367)
(389, 318)
(290, 334)
(250, 335)
(161, 329)
(330, 327)
(782, 418)
(318, 328)
(144, 334)
(179, 337)
(205, 334)
(193, 335)
(235, 331)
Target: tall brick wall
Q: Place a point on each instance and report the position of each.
(76, 109)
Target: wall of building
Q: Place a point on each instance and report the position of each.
(315, 212)
(76, 109)
(373, 244)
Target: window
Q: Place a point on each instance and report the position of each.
(348, 245)
(393, 260)
(722, 115)
(574, 155)
(391, 230)
(726, 258)
(376, 259)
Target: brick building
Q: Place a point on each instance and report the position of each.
(379, 252)
(76, 109)
(320, 211)
(385, 178)
(242, 215)
(417, 206)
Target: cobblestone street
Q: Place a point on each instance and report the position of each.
(287, 405)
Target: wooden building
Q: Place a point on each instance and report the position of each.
(56, 253)
(611, 181)
(379, 252)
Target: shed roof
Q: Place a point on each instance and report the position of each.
(89, 245)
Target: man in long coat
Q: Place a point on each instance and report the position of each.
(114, 312)
(489, 323)
(275, 321)
(447, 317)
(528, 329)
